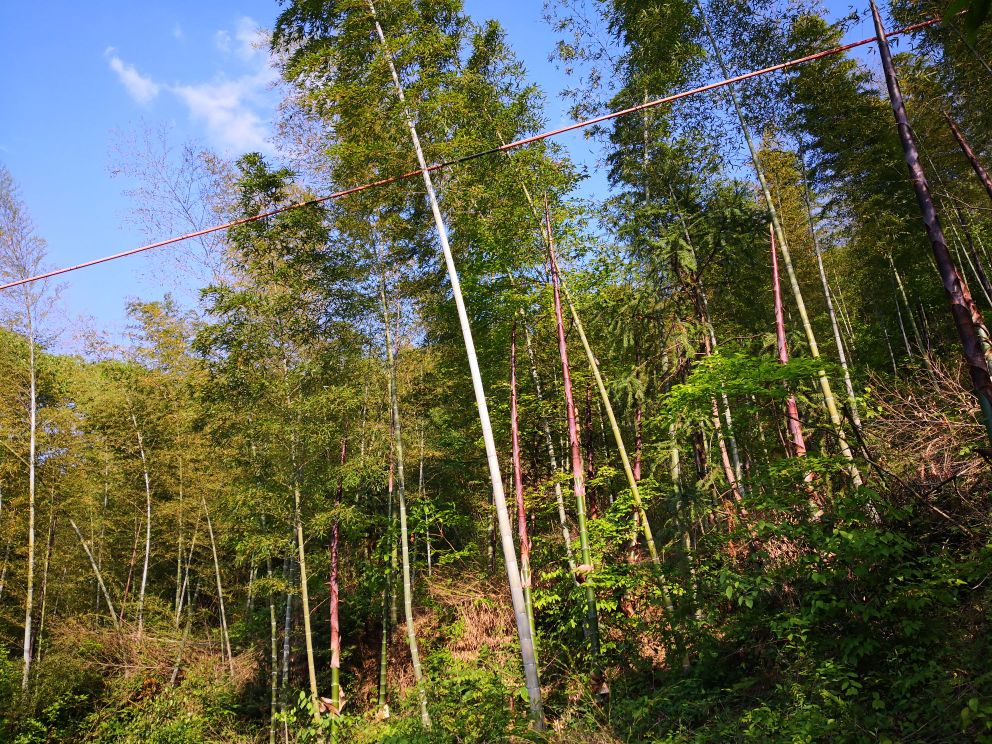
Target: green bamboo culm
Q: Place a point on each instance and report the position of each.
(411, 635)
(618, 437)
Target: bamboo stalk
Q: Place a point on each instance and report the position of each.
(518, 484)
(791, 408)
(411, 635)
(835, 327)
(972, 331)
(524, 630)
(552, 457)
(98, 574)
(783, 246)
(976, 164)
(578, 472)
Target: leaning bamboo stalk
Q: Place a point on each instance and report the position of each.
(98, 574)
(971, 255)
(914, 327)
(967, 248)
(976, 164)
(225, 636)
(524, 630)
(972, 331)
(828, 397)
(518, 483)
(791, 408)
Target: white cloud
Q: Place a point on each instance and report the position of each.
(248, 40)
(233, 110)
(253, 40)
(142, 89)
(222, 40)
(177, 32)
(227, 110)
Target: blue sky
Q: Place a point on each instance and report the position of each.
(79, 76)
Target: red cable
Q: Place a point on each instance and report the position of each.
(501, 148)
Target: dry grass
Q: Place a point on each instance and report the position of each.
(148, 655)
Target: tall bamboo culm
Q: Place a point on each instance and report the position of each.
(524, 631)
(968, 320)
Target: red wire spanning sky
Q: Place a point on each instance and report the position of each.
(502, 148)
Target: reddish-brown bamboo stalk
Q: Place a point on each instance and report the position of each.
(971, 327)
(791, 408)
(976, 165)
(518, 481)
(578, 474)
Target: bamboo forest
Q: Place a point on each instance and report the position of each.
(459, 437)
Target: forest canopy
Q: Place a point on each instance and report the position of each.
(472, 452)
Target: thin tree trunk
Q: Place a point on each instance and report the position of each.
(587, 434)
(103, 524)
(98, 574)
(524, 630)
(845, 316)
(148, 526)
(179, 550)
(3, 571)
(394, 550)
(518, 484)
(225, 636)
(578, 472)
(184, 592)
(909, 311)
(973, 258)
(388, 592)
(301, 552)
(971, 327)
(976, 164)
(731, 465)
(287, 627)
(426, 506)
(704, 312)
(892, 356)
(44, 577)
(32, 457)
(334, 596)
(851, 397)
(384, 654)
(273, 656)
(814, 349)
(411, 635)
(186, 631)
